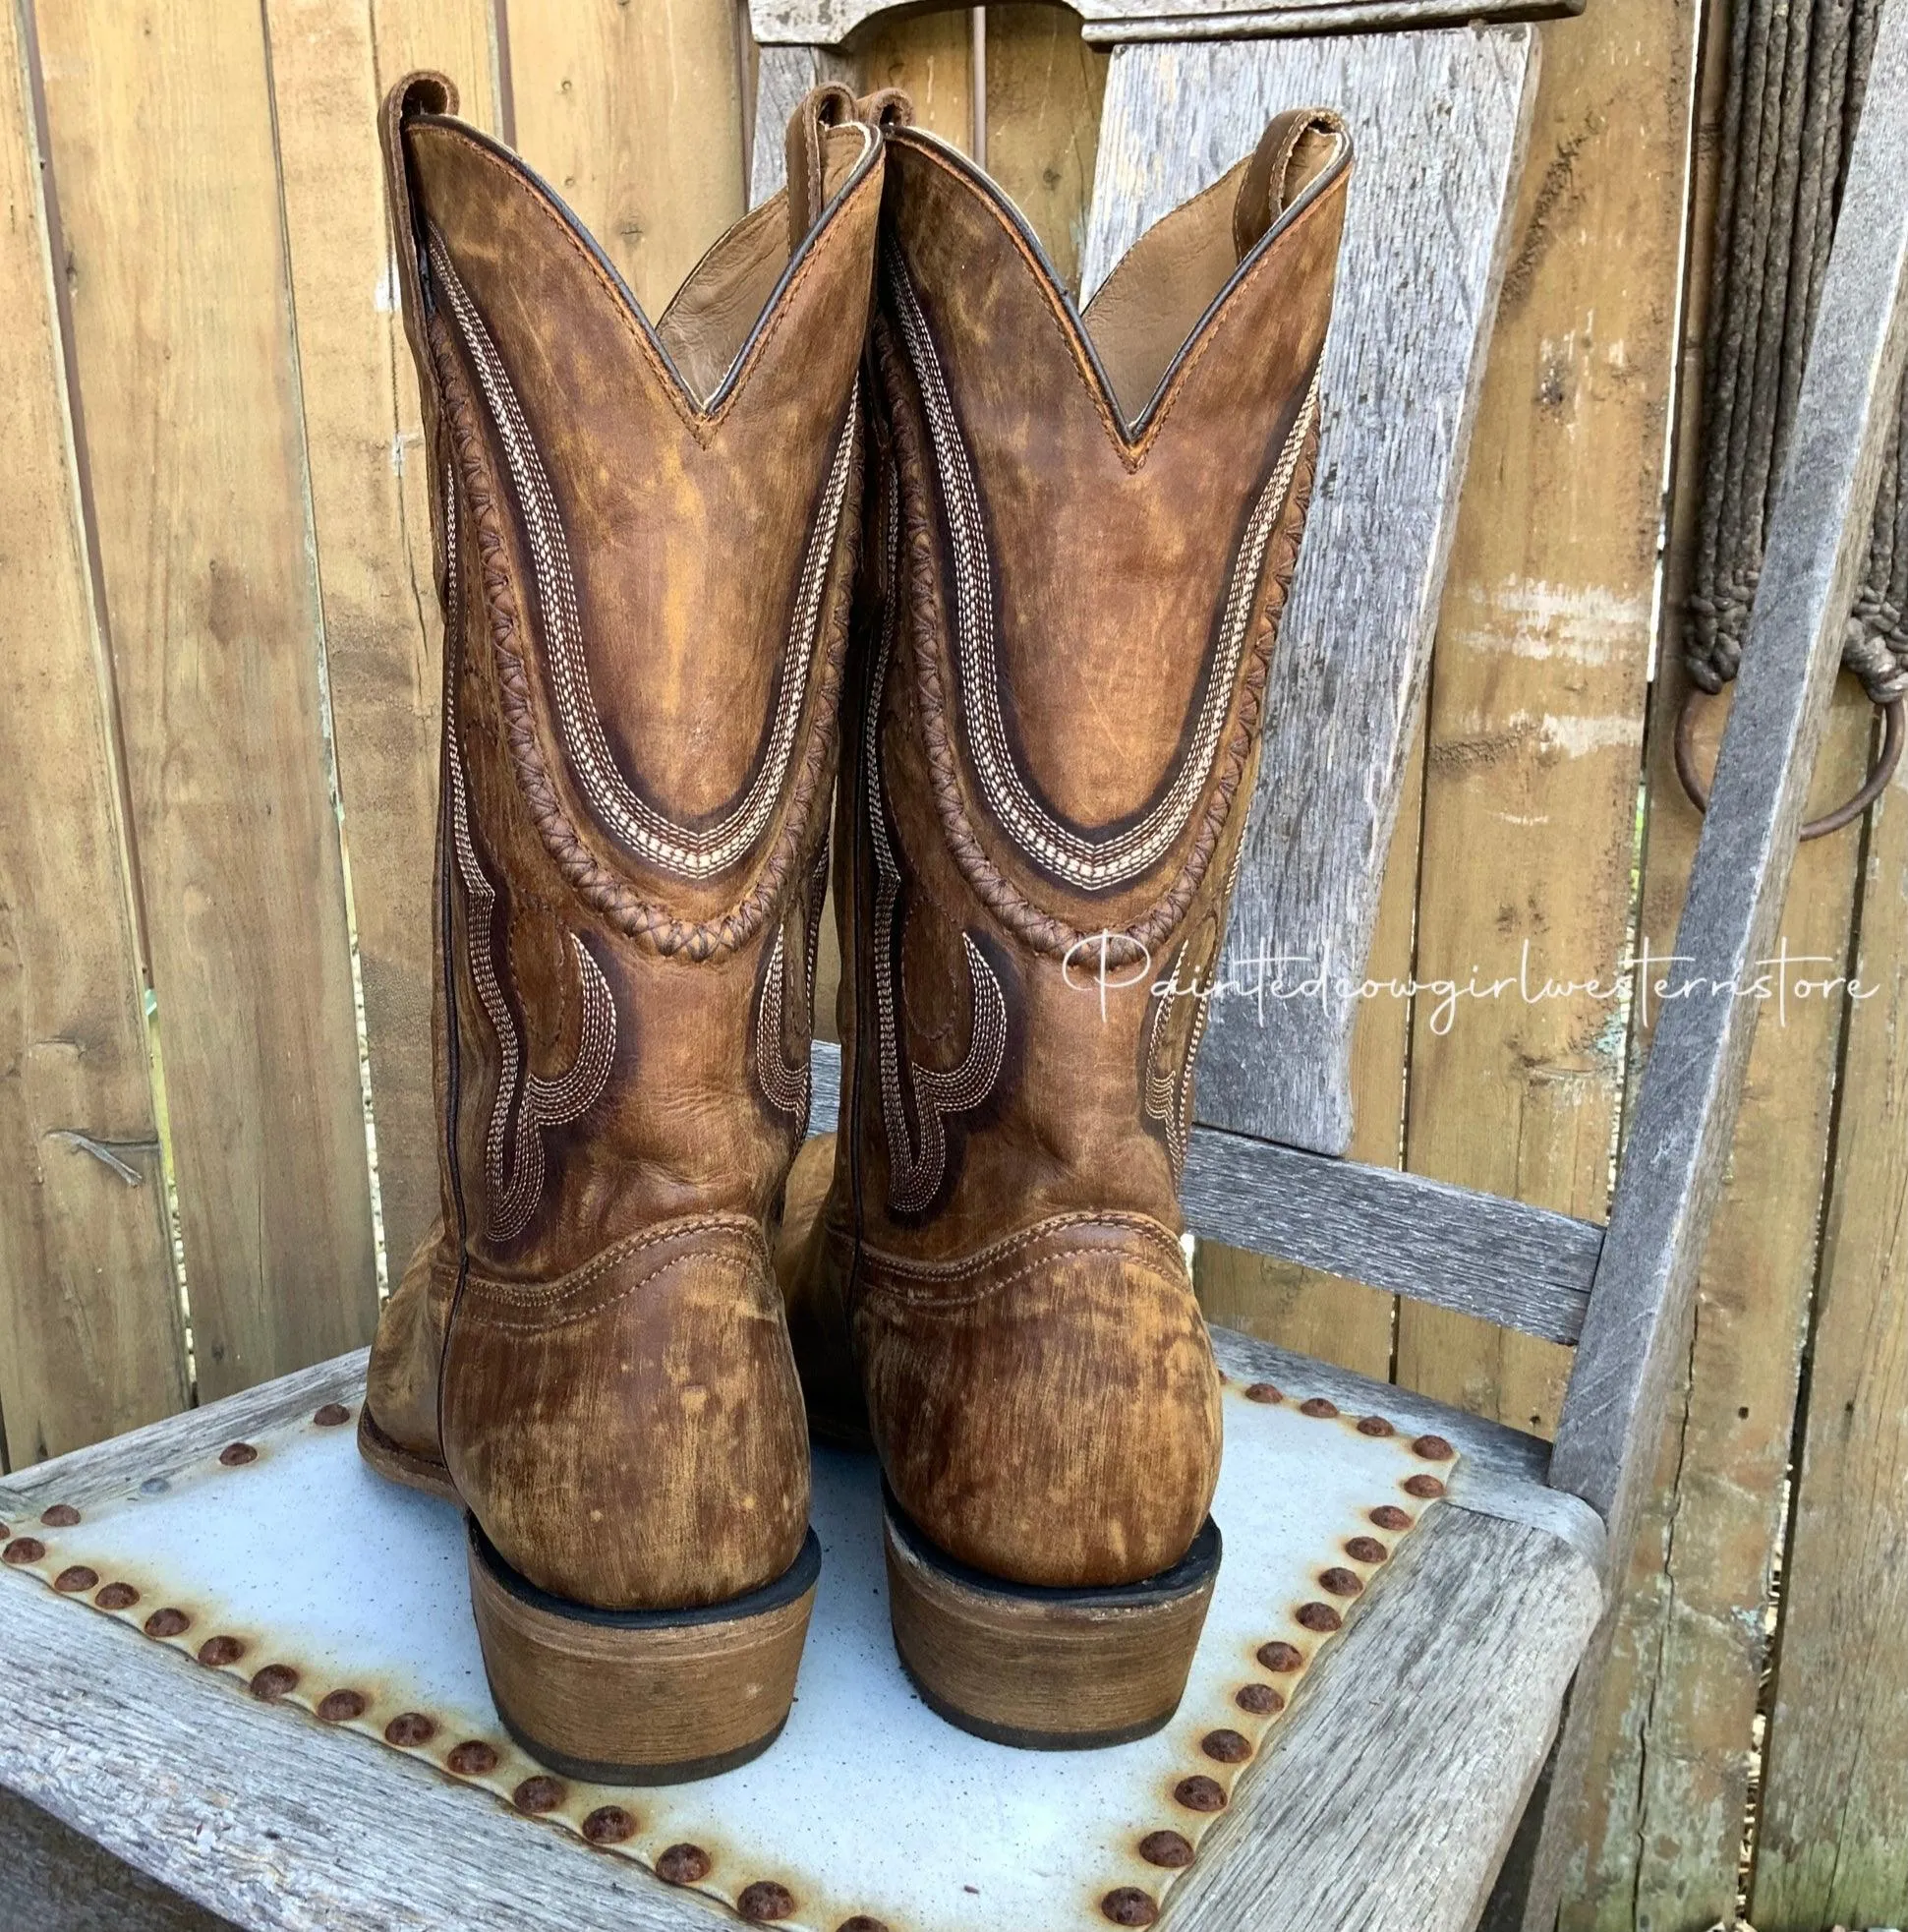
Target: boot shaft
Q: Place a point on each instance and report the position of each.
(1080, 538)
(647, 535)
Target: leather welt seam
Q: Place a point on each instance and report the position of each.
(1049, 1230)
(532, 1293)
(921, 1297)
(543, 1324)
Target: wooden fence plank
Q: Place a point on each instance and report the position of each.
(371, 520)
(90, 1341)
(1044, 89)
(1539, 685)
(1833, 1848)
(1663, 1824)
(162, 147)
(931, 56)
(634, 114)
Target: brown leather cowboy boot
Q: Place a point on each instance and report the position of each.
(647, 539)
(1082, 535)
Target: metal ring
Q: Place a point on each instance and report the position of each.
(1873, 788)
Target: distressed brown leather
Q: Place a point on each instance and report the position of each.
(1081, 543)
(647, 539)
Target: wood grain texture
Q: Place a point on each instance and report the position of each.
(1542, 671)
(1043, 89)
(1499, 1260)
(162, 144)
(54, 1880)
(634, 116)
(930, 57)
(1830, 1850)
(828, 22)
(1636, 1337)
(371, 521)
(1393, 1789)
(1439, 119)
(1666, 1799)
(89, 1333)
(1305, 1310)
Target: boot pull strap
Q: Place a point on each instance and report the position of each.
(830, 105)
(884, 108)
(423, 93)
(1294, 150)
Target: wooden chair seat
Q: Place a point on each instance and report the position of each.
(1402, 1763)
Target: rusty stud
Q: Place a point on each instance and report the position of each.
(342, 1706)
(1264, 1392)
(1434, 1448)
(274, 1682)
(1365, 1550)
(1281, 1657)
(1260, 1699)
(1376, 1425)
(1341, 1582)
(332, 1415)
(473, 1758)
(608, 1824)
(235, 1455)
(117, 1596)
(167, 1623)
(861, 1922)
(1388, 1516)
(61, 1516)
(1173, 1849)
(1200, 1792)
(539, 1795)
(1126, 1905)
(1424, 1488)
(75, 1579)
(22, 1549)
(683, 1864)
(409, 1729)
(765, 1901)
(1226, 1747)
(1320, 1617)
(1317, 1406)
(217, 1652)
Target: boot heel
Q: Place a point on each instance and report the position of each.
(641, 1697)
(1046, 1669)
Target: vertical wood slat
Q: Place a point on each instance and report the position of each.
(1669, 1791)
(1539, 681)
(1831, 1849)
(163, 146)
(90, 1341)
(634, 115)
(371, 519)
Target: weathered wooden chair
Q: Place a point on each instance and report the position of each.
(149, 1793)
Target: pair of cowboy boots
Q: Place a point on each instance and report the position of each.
(872, 495)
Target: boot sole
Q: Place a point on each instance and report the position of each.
(1045, 1670)
(398, 1464)
(641, 1697)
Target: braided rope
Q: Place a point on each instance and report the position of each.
(1798, 70)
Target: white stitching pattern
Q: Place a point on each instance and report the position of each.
(1093, 864)
(784, 1085)
(513, 1164)
(914, 1176)
(673, 847)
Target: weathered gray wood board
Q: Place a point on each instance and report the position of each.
(1519, 1266)
(828, 22)
(54, 1880)
(1635, 1335)
(1439, 119)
